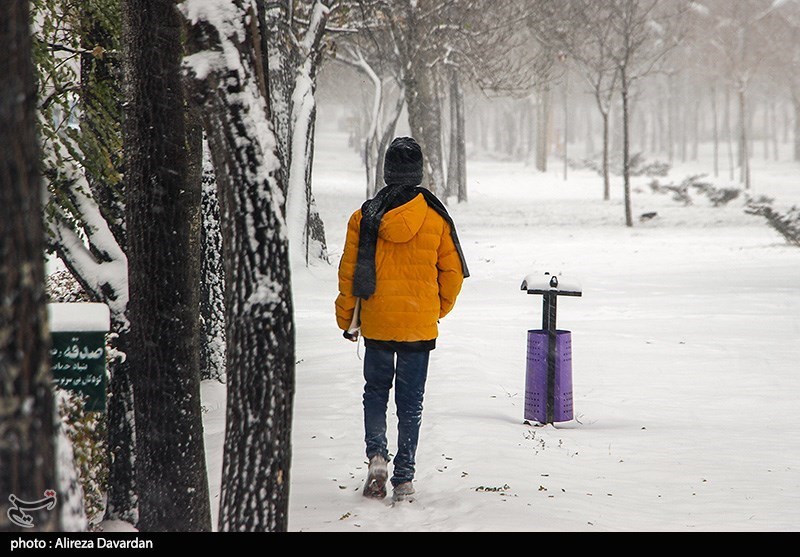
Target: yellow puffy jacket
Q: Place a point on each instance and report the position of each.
(418, 275)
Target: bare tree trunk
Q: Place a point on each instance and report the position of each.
(796, 104)
(170, 459)
(457, 176)
(278, 60)
(606, 157)
(729, 133)
(683, 117)
(626, 148)
(453, 159)
(27, 433)
(671, 118)
(543, 129)
(658, 135)
(775, 131)
(744, 141)
(766, 130)
(424, 118)
(696, 134)
(566, 126)
(715, 117)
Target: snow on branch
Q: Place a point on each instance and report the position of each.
(316, 26)
(224, 60)
(100, 266)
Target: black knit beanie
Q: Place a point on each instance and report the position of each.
(403, 163)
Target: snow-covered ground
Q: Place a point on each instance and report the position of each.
(685, 354)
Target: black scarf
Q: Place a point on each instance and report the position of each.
(390, 197)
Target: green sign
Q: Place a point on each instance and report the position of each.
(79, 364)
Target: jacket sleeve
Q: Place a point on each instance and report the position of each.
(346, 302)
(451, 276)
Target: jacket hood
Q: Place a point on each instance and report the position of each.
(400, 225)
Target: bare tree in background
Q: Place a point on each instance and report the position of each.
(292, 51)
(366, 54)
(440, 47)
(644, 32)
(784, 57)
(27, 434)
(741, 35)
(584, 30)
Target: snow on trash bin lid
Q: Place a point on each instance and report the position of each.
(79, 318)
(539, 284)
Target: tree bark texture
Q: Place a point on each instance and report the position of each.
(279, 59)
(27, 433)
(258, 298)
(425, 120)
(122, 501)
(457, 168)
(164, 356)
(626, 148)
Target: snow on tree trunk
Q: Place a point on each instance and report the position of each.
(280, 74)
(171, 476)
(298, 201)
(258, 299)
(302, 218)
(27, 434)
(212, 279)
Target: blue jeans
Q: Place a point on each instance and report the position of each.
(411, 370)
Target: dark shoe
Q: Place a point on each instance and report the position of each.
(375, 488)
(403, 492)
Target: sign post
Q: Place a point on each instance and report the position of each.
(78, 351)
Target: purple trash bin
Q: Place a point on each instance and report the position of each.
(536, 378)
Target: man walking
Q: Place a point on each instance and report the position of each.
(401, 272)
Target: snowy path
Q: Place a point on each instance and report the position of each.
(685, 363)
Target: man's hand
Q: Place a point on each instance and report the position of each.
(352, 337)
